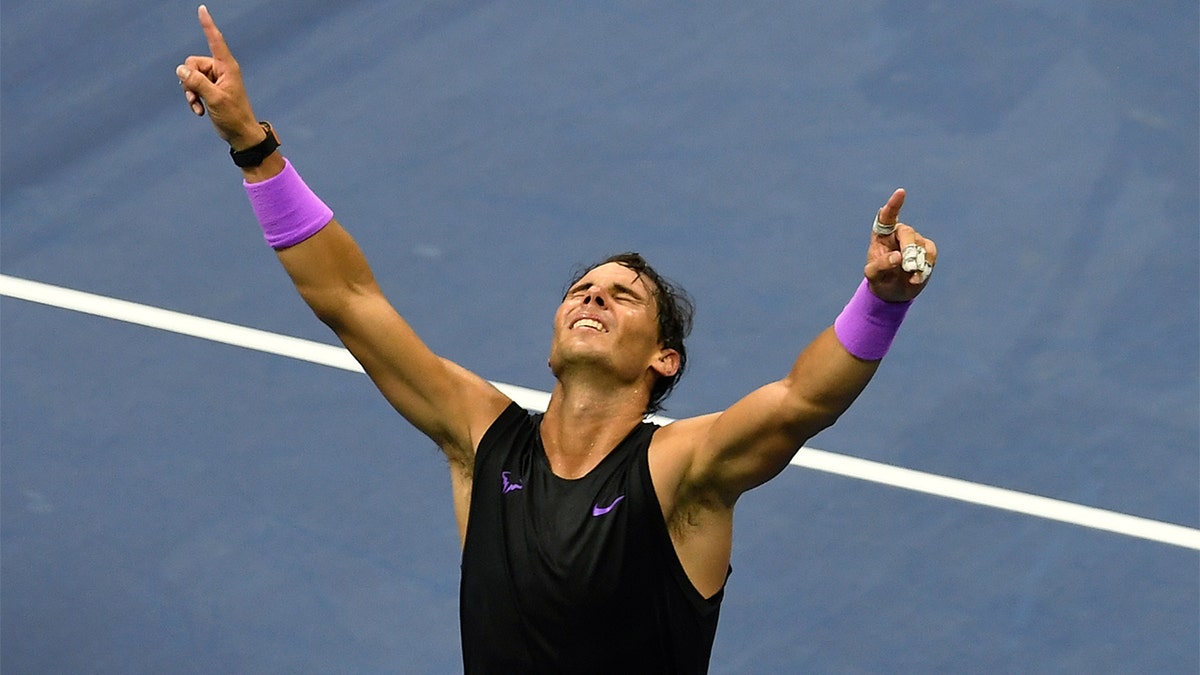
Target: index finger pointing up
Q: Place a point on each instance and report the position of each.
(890, 213)
(216, 41)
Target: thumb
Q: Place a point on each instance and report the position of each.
(195, 86)
(193, 80)
(882, 264)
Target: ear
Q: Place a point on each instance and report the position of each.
(667, 363)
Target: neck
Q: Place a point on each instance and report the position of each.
(582, 425)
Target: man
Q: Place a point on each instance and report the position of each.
(592, 541)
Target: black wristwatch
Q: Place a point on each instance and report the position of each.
(252, 157)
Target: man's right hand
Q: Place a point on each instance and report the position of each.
(214, 84)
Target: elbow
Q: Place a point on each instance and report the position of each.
(329, 308)
(335, 306)
(814, 420)
(809, 416)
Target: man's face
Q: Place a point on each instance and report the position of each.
(608, 318)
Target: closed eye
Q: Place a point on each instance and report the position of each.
(625, 293)
(619, 292)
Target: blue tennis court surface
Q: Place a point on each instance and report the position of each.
(176, 505)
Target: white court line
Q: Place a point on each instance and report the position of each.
(809, 458)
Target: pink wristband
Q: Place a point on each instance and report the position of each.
(287, 210)
(867, 326)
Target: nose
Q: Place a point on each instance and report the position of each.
(593, 295)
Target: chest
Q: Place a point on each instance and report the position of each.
(579, 536)
(562, 550)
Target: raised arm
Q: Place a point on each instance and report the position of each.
(754, 439)
(446, 402)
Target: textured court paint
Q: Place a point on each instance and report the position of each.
(158, 491)
(811, 458)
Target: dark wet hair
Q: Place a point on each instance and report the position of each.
(675, 311)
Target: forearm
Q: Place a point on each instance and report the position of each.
(325, 264)
(329, 271)
(753, 440)
(832, 371)
(825, 380)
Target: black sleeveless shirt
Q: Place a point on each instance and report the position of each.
(574, 576)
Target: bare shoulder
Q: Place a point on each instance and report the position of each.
(481, 403)
(679, 435)
(675, 453)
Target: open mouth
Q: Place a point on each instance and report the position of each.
(588, 323)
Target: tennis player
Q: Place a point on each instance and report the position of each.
(593, 541)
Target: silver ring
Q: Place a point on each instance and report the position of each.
(882, 229)
(913, 260)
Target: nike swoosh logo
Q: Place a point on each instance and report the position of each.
(598, 510)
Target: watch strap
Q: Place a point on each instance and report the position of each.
(254, 156)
